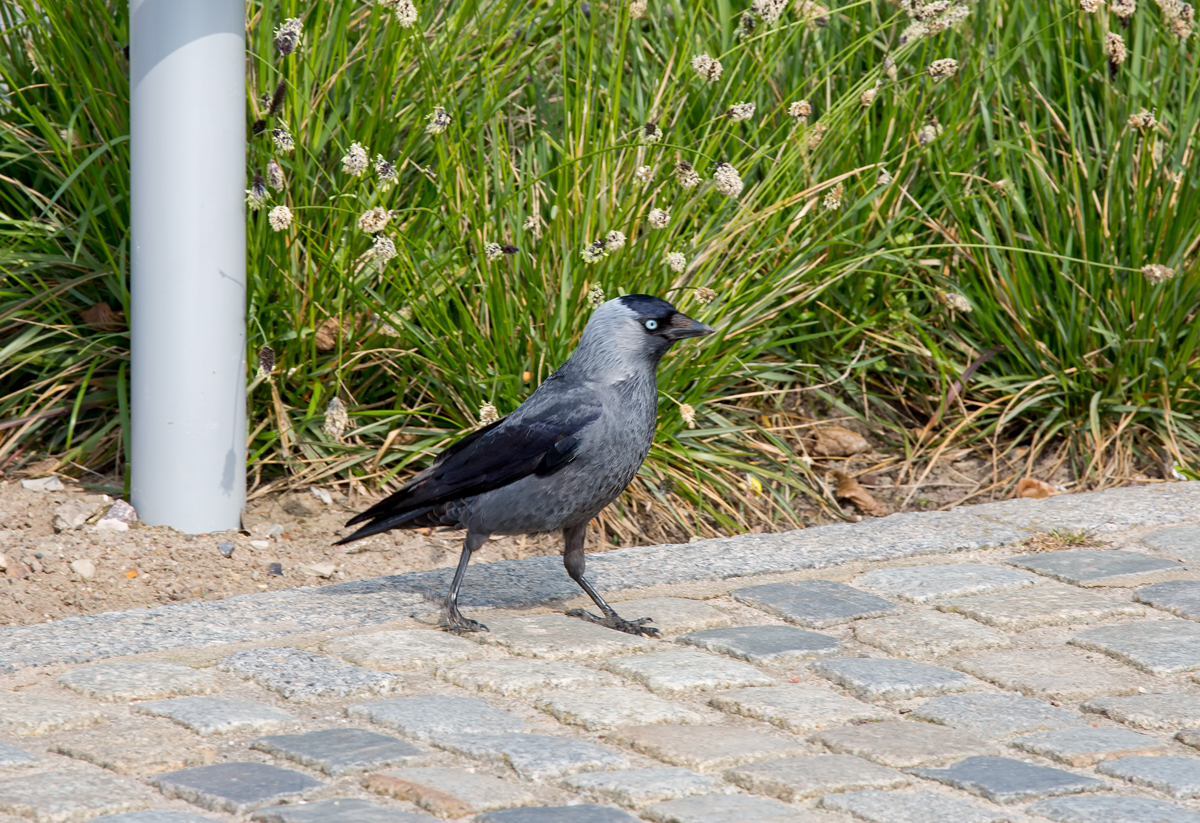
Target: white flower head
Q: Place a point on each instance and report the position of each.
(337, 419)
(594, 252)
(705, 295)
(644, 173)
(274, 175)
(833, 197)
(688, 414)
(638, 9)
(488, 414)
(1124, 9)
(1157, 273)
(740, 111)
(868, 97)
(1114, 46)
(386, 173)
(614, 240)
(676, 261)
(650, 134)
(929, 132)
(283, 139)
(1143, 121)
(709, 68)
(800, 110)
(493, 251)
(355, 161)
(1090, 6)
(280, 218)
(531, 224)
(727, 181)
(439, 121)
(884, 179)
(382, 248)
(660, 218)
(685, 175)
(957, 302)
(769, 11)
(374, 220)
(595, 296)
(406, 13)
(941, 69)
(287, 36)
(257, 195)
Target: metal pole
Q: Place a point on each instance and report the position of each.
(188, 285)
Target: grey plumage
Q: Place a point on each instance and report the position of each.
(560, 458)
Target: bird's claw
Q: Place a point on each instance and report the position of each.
(457, 624)
(615, 621)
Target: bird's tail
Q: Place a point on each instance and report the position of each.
(382, 522)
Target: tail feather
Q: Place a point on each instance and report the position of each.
(382, 523)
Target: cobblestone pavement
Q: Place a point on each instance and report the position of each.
(912, 669)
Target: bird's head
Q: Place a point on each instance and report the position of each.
(638, 327)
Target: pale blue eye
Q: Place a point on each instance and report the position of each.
(651, 325)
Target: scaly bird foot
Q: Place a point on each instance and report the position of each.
(615, 621)
(457, 624)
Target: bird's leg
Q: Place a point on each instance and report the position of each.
(455, 622)
(576, 562)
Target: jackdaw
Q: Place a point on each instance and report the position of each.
(561, 457)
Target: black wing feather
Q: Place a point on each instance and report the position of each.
(517, 446)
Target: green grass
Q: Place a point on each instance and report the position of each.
(1036, 202)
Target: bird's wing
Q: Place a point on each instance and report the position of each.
(536, 442)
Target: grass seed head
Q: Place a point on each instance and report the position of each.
(1157, 273)
(740, 111)
(266, 362)
(531, 224)
(595, 296)
(705, 295)
(257, 195)
(884, 178)
(1114, 47)
(355, 162)
(818, 132)
(287, 36)
(868, 97)
(800, 110)
(280, 218)
(769, 11)
(660, 218)
(1123, 9)
(833, 197)
(688, 414)
(1090, 6)
(488, 414)
(493, 251)
(956, 302)
(614, 240)
(595, 252)
(439, 121)
(727, 181)
(337, 419)
(708, 68)
(676, 261)
(644, 174)
(650, 134)
(406, 13)
(812, 12)
(382, 249)
(747, 23)
(274, 175)
(638, 9)
(374, 220)
(386, 173)
(685, 175)
(283, 139)
(929, 132)
(1143, 121)
(941, 69)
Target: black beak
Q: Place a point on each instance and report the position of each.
(682, 327)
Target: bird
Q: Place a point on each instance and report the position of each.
(553, 464)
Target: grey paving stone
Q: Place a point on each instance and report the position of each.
(816, 604)
(996, 715)
(132, 748)
(435, 717)
(535, 756)
(730, 808)
(676, 614)
(235, 787)
(881, 678)
(764, 644)
(1005, 780)
(10, 755)
(902, 744)
(1154, 646)
(706, 748)
(1149, 711)
(122, 682)
(925, 584)
(1112, 810)
(48, 797)
(607, 708)
(1056, 675)
(1088, 746)
(583, 813)
(558, 637)
(635, 788)
(338, 810)
(449, 792)
(1179, 597)
(28, 714)
(219, 715)
(304, 676)
(1177, 776)
(402, 650)
(1181, 542)
(929, 634)
(797, 708)
(677, 673)
(796, 778)
(153, 816)
(340, 751)
(1112, 567)
(512, 677)
(1048, 605)
(875, 806)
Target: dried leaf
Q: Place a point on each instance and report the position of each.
(835, 441)
(850, 489)
(102, 317)
(327, 335)
(1037, 489)
(42, 468)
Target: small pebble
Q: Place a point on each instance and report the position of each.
(260, 544)
(275, 570)
(225, 548)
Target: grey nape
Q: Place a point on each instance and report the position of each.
(559, 459)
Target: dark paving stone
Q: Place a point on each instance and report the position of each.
(815, 603)
(153, 816)
(1182, 542)
(235, 787)
(1095, 568)
(764, 644)
(12, 756)
(1154, 646)
(1005, 780)
(881, 678)
(1112, 810)
(583, 813)
(433, 717)
(1181, 597)
(338, 810)
(1177, 776)
(996, 715)
(339, 751)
